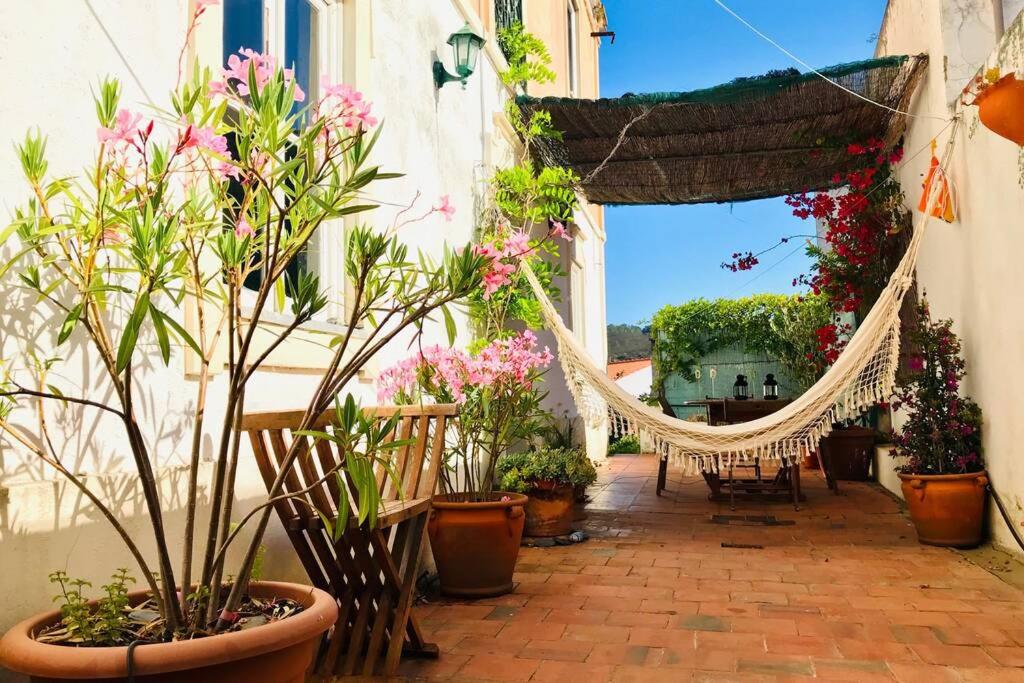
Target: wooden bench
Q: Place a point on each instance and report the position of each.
(371, 572)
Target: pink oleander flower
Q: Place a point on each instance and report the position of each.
(126, 127)
(243, 229)
(497, 277)
(445, 208)
(446, 374)
(201, 5)
(517, 245)
(558, 230)
(226, 169)
(204, 138)
(345, 105)
(236, 73)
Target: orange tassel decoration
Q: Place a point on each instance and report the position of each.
(945, 201)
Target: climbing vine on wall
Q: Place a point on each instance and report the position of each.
(773, 324)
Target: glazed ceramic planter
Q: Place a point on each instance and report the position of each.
(279, 652)
(947, 509)
(1001, 108)
(475, 545)
(549, 511)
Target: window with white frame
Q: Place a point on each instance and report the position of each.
(304, 36)
(572, 42)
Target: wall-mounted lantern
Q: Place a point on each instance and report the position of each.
(465, 49)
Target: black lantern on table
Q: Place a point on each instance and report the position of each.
(771, 387)
(740, 388)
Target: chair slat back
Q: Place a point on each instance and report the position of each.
(311, 483)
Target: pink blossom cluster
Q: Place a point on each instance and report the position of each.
(503, 257)
(450, 374)
(263, 66)
(344, 105)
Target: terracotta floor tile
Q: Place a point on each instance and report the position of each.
(1007, 656)
(498, 668)
(542, 631)
(576, 616)
(991, 675)
(618, 653)
(953, 655)
(562, 672)
(557, 650)
(923, 673)
(598, 633)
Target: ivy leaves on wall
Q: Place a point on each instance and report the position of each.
(777, 325)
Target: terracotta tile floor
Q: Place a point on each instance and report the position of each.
(845, 593)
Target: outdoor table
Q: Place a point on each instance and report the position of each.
(722, 411)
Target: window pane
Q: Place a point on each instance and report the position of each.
(243, 26)
(301, 44)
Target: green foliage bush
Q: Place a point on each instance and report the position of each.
(522, 472)
(628, 443)
(777, 325)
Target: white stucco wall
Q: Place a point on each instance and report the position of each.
(637, 383)
(971, 269)
(445, 142)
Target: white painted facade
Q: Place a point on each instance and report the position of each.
(447, 141)
(971, 269)
(637, 383)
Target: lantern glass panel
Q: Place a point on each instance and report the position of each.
(741, 388)
(771, 387)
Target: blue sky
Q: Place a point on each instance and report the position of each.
(657, 255)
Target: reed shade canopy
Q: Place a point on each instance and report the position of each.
(771, 135)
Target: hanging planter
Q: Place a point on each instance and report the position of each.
(1000, 102)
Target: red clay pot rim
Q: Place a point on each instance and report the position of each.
(441, 502)
(942, 477)
(992, 87)
(20, 652)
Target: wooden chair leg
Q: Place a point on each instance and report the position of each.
(408, 567)
(662, 474)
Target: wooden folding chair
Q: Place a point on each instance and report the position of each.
(371, 572)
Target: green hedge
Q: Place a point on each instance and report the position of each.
(780, 326)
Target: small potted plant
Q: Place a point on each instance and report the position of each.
(549, 477)
(943, 478)
(1000, 100)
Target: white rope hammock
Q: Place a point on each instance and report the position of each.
(863, 375)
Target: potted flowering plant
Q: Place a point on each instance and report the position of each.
(152, 248)
(474, 530)
(550, 478)
(1000, 99)
(943, 477)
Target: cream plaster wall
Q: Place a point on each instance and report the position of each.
(445, 141)
(971, 268)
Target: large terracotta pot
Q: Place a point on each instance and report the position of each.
(1001, 108)
(280, 652)
(848, 452)
(475, 545)
(549, 511)
(947, 509)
